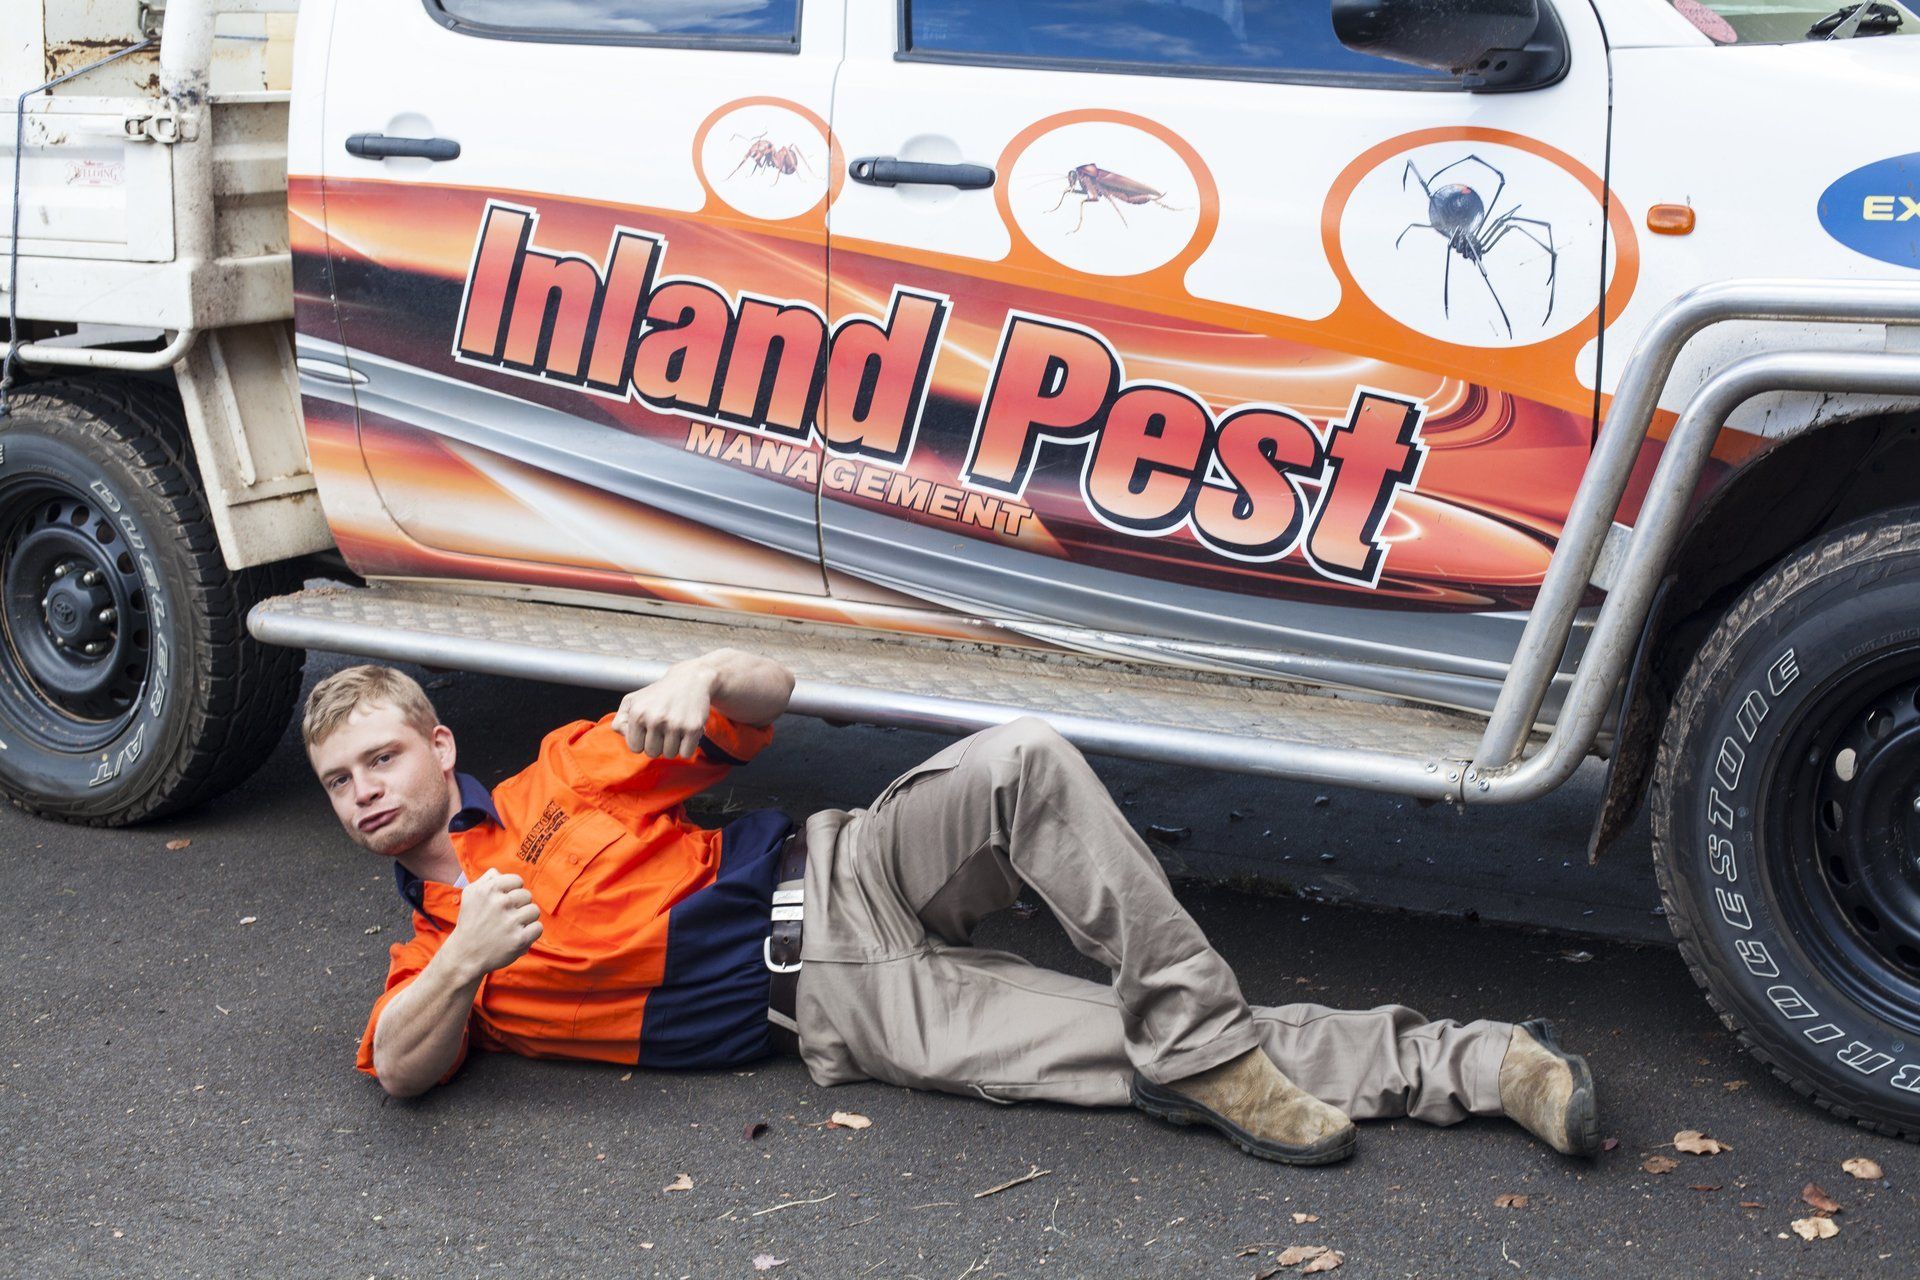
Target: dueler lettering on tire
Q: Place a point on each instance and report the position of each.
(128, 685)
(1787, 821)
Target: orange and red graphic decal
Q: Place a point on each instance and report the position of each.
(1157, 458)
(683, 346)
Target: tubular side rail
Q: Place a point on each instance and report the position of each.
(1628, 420)
(1616, 632)
(171, 353)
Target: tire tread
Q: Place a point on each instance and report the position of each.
(244, 692)
(1883, 534)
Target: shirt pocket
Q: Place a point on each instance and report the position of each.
(558, 848)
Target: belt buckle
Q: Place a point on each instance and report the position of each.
(766, 954)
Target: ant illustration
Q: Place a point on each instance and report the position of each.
(1472, 228)
(1093, 183)
(784, 161)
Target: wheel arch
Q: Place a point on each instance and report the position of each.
(1775, 502)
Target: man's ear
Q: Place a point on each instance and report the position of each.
(441, 740)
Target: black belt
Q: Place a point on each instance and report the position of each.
(782, 951)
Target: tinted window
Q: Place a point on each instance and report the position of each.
(613, 20)
(1253, 37)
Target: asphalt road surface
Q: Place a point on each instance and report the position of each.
(177, 1095)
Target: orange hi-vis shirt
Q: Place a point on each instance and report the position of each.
(651, 952)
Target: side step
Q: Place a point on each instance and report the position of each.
(1111, 708)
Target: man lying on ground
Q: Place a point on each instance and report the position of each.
(575, 912)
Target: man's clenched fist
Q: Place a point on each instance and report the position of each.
(665, 719)
(498, 922)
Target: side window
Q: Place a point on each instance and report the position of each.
(1250, 39)
(722, 23)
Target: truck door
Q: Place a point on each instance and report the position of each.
(565, 239)
(1256, 350)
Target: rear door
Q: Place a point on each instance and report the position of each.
(1218, 378)
(564, 239)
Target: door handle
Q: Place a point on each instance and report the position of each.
(885, 171)
(378, 146)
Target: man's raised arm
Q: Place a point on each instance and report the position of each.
(422, 1031)
(666, 719)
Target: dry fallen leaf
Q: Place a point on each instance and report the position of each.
(1325, 1262)
(1660, 1164)
(681, 1183)
(767, 1262)
(1510, 1201)
(1734, 1086)
(1696, 1143)
(848, 1120)
(1751, 1204)
(1705, 1186)
(1299, 1218)
(1815, 1228)
(1294, 1255)
(1861, 1167)
(1609, 1144)
(181, 843)
(1819, 1199)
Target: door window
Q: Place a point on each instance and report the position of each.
(713, 23)
(1242, 39)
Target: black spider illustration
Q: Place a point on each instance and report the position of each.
(1472, 228)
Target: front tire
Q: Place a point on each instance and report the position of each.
(1786, 819)
(129, 688)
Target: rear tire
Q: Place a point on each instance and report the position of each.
(129, 687)
(1786, 821)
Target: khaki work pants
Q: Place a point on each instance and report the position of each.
(890, 988)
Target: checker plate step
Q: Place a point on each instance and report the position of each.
(1115, 708)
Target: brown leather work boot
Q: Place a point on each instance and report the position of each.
(1548, 1091)
(1258, 1108)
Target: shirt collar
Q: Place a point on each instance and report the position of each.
(476, 807)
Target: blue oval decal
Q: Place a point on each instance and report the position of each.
(1875, 210)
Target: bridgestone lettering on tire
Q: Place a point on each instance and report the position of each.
(129, 688)
(1786, 815)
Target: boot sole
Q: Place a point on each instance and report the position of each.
(1583, 1112)
(1176, 1108)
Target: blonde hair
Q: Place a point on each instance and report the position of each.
(344, 692)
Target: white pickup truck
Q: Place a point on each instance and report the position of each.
(1421, 395)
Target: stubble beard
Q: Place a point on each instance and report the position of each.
(407, 832)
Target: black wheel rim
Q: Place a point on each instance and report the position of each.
(1841, 832)
(75, 635)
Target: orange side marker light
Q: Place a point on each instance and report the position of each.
(1670, 219)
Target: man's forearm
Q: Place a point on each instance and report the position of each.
(747, 687)
(419, 1032)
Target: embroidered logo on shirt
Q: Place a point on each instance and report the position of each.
(552, 818)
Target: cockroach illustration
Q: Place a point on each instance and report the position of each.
(1092, 183)
(784, 161)
(1472, 227)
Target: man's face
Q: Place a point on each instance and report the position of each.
(387, 781)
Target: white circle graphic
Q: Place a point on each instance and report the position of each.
(766, 161)
(1104, 198)
(1475, 243)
